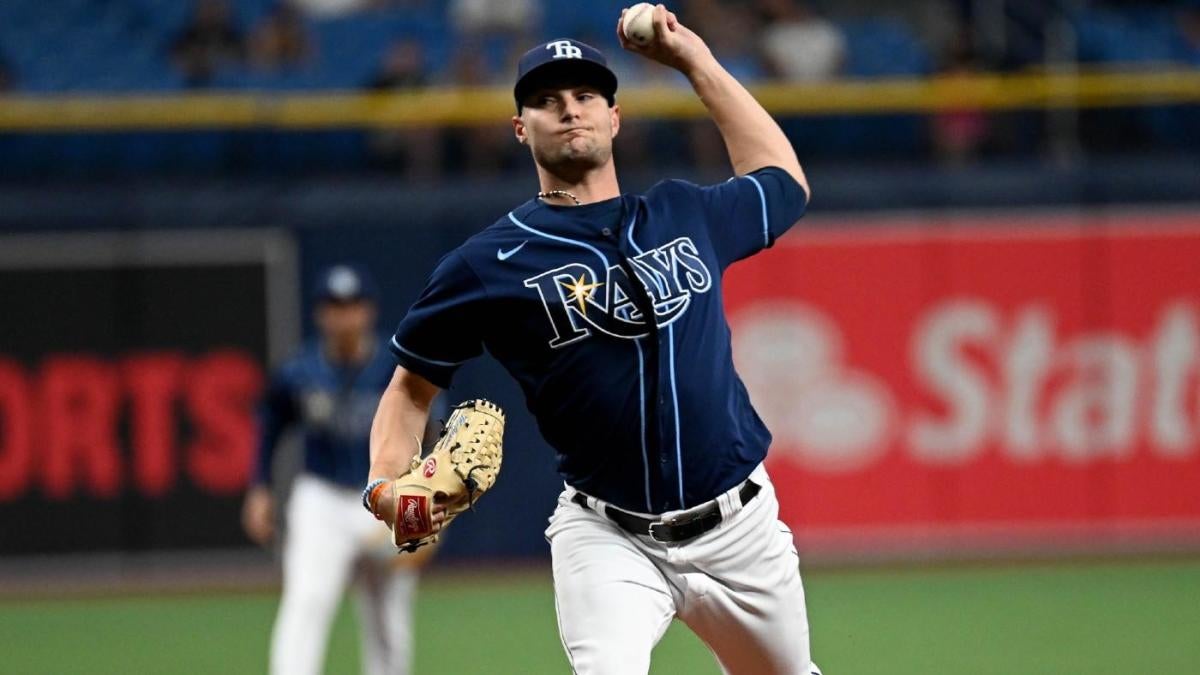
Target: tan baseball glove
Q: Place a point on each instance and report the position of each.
(460, 468)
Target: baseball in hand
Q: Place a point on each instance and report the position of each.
(638, 23)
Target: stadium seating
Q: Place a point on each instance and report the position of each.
(122, 46)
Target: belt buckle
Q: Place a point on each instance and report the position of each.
(673, 520)
(654, 535)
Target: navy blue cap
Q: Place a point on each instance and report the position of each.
(560, 57)
(345, 282)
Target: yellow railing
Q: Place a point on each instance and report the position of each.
(225, 110)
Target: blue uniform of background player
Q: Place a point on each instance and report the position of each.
(327, 393)
(606, 308)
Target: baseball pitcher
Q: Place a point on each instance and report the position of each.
(606, 308)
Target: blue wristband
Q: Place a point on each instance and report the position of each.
(366, 495)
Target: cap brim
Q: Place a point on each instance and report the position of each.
(567, 72)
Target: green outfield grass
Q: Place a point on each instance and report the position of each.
(1130, 617)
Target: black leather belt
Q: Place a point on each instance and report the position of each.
(692, 525)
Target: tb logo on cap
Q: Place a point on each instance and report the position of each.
(563, 49)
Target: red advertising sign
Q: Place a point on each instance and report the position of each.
(80, 402)
(130, 368)
(974, 375)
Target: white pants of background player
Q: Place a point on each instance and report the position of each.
(330, 541)
(737, 587)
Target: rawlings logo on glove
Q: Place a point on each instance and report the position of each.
(413, 515)
(462, 466)
(430, 467)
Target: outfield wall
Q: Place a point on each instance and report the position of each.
(989, 381)
(939, 383)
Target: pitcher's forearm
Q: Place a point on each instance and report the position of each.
(392, 444)
(752, 137)
(399, 425)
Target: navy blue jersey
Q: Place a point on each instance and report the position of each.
(333, 405)
(648, 415)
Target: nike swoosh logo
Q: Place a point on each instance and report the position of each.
(501, 254)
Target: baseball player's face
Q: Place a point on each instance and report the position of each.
(568, 127)
(347, 320)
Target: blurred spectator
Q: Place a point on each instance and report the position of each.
(959, 135)
(797, 44)
(416, 151)
(208, 43)
(1010, 34)
(492, 17)
(403, 67)
(935, 23)
(469, 66)
(727, 31)
(483, 150)
(280, 41)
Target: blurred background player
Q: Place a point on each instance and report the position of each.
(328, 392)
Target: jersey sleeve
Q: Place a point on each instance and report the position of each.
(276, 412)
(745, 214)
(442, 329)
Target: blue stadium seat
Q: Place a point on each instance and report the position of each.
(350, 49)
(877, 47)
(165, 16)
(585, 20)
(1131, 36)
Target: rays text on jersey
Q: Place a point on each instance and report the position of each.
(577, 300)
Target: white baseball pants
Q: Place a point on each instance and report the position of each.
(330, 541)
(737, 587)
